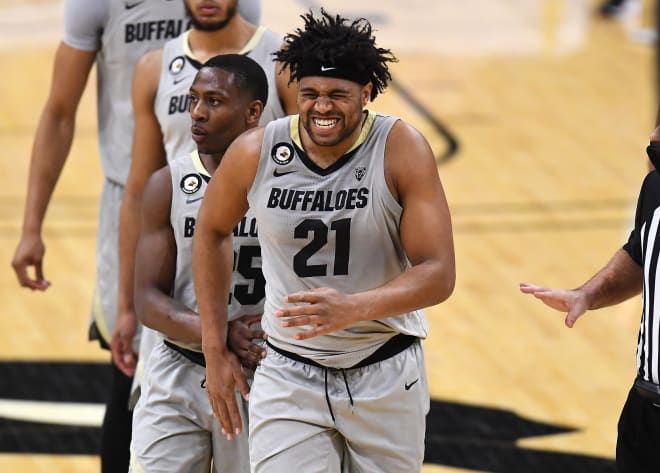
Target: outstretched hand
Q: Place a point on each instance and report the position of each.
(573, 302)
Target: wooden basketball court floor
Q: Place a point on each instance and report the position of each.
(539, 112)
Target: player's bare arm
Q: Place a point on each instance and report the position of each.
(225, 203)
(287, 92)
(155, 272)
(155, 267)
(148, 155)
(426, 233)
(619, 280)
(50, 150)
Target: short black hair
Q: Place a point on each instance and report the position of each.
(335, 40)
(248, 74)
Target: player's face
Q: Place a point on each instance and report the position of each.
(331, 109)
(219, 110)
(210, 15)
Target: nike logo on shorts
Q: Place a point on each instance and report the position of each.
(407, 386)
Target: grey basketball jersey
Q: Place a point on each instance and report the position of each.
(133, 28)
(178, 70)
(189, 180)
(336, 227)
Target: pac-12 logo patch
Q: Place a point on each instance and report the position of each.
(177, 64)
(190, 183)
(282, 153)
(360, 172)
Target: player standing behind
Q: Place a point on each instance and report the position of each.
(112, 34)
(174, 428)
(160, 100)
(356, 238)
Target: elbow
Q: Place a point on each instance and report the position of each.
(444, 284)
(142, 306)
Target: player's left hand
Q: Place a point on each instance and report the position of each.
(326, 310)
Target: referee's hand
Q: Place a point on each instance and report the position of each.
(573, 302)
(223, 374)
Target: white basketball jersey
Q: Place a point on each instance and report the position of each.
(336, 227)
(189, 181)
(178, 70)
(133, 28)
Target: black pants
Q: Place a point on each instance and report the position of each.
(116, 429)
(638, 441)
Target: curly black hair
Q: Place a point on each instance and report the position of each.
(334, 40)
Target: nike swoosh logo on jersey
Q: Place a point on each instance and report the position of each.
(326, 69)
(190, 201)
(277, 173)
(407, 386)
(133, 5)
(176, 81)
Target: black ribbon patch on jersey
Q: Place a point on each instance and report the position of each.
(191, 183)
(282, 153)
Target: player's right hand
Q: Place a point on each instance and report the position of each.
(241, 336)
(223, 374)
(121, 344)
(30, 253)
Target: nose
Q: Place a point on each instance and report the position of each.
(323, 104)
(198, 111)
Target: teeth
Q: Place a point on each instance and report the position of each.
(325, 122)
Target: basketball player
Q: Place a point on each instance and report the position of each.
(174, 427)
(356, 238)
(160, 100)
(114, 35)
(632, 269)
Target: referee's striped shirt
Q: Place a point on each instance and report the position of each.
(644, 247)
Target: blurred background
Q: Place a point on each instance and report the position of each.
(538, 111)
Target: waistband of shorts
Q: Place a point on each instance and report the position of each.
(194, 356)
(393, 346)
(648, 390)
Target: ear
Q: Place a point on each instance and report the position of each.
(253, 112)
(366, 94)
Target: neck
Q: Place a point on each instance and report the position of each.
(229, 40)
(211, 161)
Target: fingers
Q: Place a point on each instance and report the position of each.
(530, 288)
(221, 412)
(37, 284)
(123, 359)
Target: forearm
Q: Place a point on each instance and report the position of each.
(160, 312)
(51, 147)
(129, 230)
(619, 280)
(423, 285)
(212, 267)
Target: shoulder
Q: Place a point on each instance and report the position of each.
(409, 160)
(160, 180)
(249, 142)
(150, 61)
(147, 72)
(406, 145)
